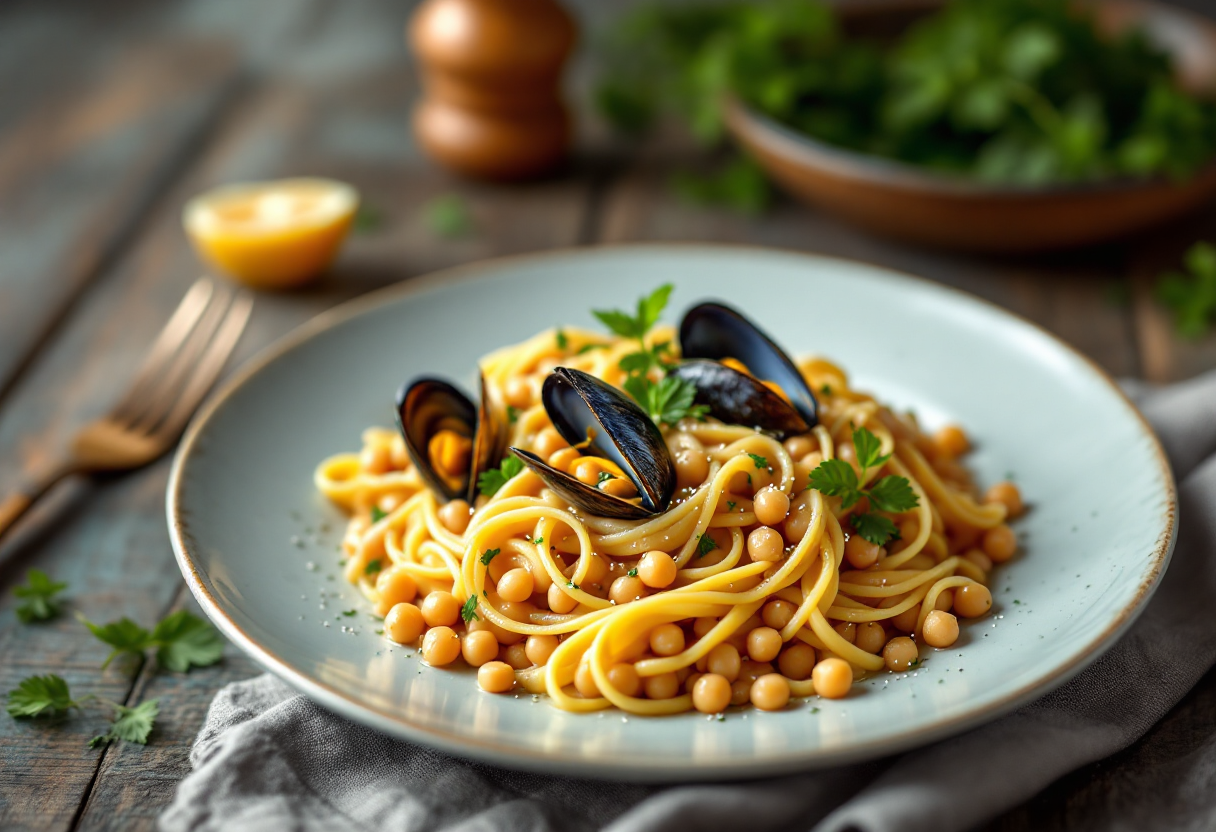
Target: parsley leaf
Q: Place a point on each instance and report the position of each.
(836, 478)
(1192, 295)
(667, 401)
(563, 342)
(868, 448)
(39, 593)
(826, 389)
(372, 568)
(469, 611)
(760, 462)
(874, 527)
(495, 478)
(378, 514)
(893, 494)
(512, 414)
(539, 541)
(730, 505)
(448, 216)
(632, 573)
(124, 635)
(351, 613)
(489, 555)
(40, 696)
(183, 640)
(130, 724)
(603, 478)
(705, 545)
(586, 348)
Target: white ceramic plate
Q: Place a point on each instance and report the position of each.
(258, 546)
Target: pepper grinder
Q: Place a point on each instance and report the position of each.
(491, 75)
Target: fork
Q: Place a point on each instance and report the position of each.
(183, 364)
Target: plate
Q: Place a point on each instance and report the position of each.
(259, 547)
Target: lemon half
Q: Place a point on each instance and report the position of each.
(272, 235)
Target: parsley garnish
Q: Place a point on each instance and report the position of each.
(512, 414)
(350, 613)
(469, 611)
(670, 399)
(490, 481)
(586, 348)
(705, 545)
(1192, 294)
(489, 555)
(603, 478)
(730, 505)
(836, 478)
(448, 216)
(182, 640)
(760, 462)
(562, 341)
(632, 573)
(39, 593)
(378, 514)
(913, 663)
(539, 541)
(372, 567)
(826, 389)
(572, 585)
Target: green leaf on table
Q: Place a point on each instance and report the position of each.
(1191, 295)
(448, 216)
(183, 640)
(130, 724)
(124, 636)
(39, 696)
(39, 593)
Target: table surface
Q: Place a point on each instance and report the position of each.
(112, 115)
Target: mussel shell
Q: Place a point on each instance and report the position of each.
(620, 431)
(715, 331)
(423, 405)
(739, 399)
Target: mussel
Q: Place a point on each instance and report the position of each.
(603, 423)
(741, 374)
(450, 440)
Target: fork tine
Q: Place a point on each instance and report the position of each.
(168, 342)
(209, 367)
(162, 390)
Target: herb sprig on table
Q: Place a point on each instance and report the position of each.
(1191, 295)
(892, 494)
(1014, 91)
(38, 594)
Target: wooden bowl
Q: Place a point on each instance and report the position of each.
(908, 202)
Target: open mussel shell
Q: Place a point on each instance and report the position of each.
(714, 331)
(584, 408)
(426, 406)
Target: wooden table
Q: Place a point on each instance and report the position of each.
(112, 115)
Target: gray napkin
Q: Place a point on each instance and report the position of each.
(267, 758)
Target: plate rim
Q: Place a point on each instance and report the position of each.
(635, 769)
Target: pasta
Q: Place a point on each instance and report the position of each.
(750, 586)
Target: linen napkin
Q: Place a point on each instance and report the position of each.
(267, 758)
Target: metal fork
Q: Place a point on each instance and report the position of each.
(183, 364)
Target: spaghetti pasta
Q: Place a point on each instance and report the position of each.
(749, 573)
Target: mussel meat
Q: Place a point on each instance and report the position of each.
(741, 374)
(450, 440)
(607, 426)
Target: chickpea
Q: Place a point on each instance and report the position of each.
(899, 653)
(763, 644)
(587, 470)
(861, 553)
(952, 441)
(711, 693)
(797, 661)
(584, 682)
(479, 647)
(455, 516)
(625, 679)
(906, 621)
(871, 636)
(724, 660)
(404, 623)
(440, 646)
(518, 392)
(515, 655)
(597, 570)
(703, 625)
(832, 678)
(657, 569)
(626, 589)
(972, 600)
(777, 613)
(539, 648)
(941, 629)
(690, 681)
(1007, 493)
(515, 585)
(559, 601)
(1000, 543)
(692, 467)
(771, 692)
(375, 459)
(978, 557)
(740, 691)
(765, 543)
(548, 442)
(799, 520)
(662, 686)
(771, 506)
(440, 609)
(666, 640)
(394, 586)
(561, 460)
(496, 677)
(753, 670)
(799, 446)
(847, 631)
(619, 487)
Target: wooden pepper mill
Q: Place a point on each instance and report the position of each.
(491, 75)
